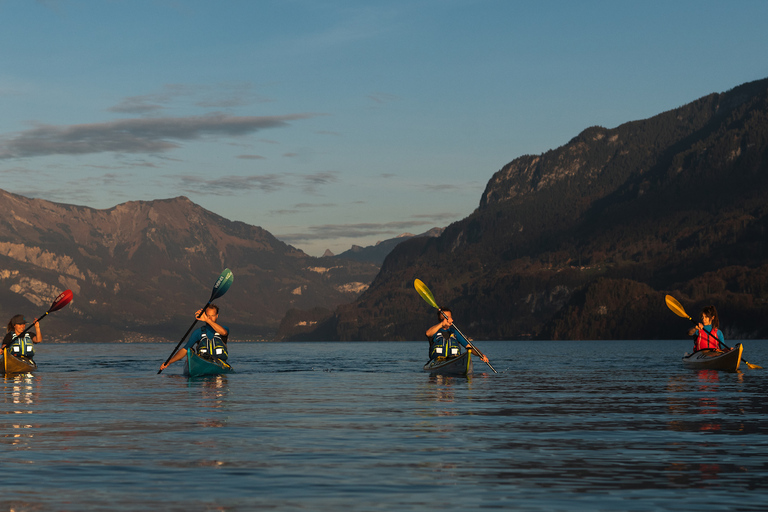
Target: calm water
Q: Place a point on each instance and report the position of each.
(563, 426)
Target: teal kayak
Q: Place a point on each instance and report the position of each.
(197, 366)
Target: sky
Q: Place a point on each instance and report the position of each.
(340, 122)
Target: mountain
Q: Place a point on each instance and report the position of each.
(378, 252)
(141, 269)
(584, 241)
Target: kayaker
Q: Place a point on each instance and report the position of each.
(444, 339)
(24, 345)
(212, 337)
(707, 335)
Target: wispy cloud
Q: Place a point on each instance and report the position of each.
(231, 185)
(154, 135)
(219, 96)
(367, 229)
(302, 208)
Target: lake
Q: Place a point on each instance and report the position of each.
(580, 425)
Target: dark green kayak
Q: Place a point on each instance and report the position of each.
(9, 363)
(461, 365)
(197, 366)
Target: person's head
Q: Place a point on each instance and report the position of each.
(212, 311)
(709, 316)
(17, 324)
(447, 313)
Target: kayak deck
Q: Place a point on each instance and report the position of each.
(715, 359)
(10, 363)
(460, 365)
(197, 366)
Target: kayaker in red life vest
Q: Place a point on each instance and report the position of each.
(21, 346)
(443, 335)
(707, 334)
(210, 330)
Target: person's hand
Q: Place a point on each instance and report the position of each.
(163, 366)
(200, 315)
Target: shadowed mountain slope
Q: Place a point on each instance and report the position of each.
(582, 242)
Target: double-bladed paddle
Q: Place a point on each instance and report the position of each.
(59, 302)
(677, 309)
(220, 288)
(426, 294)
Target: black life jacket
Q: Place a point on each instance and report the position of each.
(444, 344)
(22, 347)
(212, 348)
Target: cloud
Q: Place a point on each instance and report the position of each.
(230, 185)
(219, 96)
(153, 135)
(365, 229)
(302, 208)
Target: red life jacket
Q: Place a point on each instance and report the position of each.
(706, 339)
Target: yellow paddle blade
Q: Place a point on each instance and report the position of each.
(425, 293)
(676, 307)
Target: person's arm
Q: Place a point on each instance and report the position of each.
(178, 355)
(6, 340)
(444, 324)
(221, 330)
(38, 335)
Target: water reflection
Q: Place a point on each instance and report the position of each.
(20, 394)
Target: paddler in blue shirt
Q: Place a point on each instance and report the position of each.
(212, 337)
(445, 339)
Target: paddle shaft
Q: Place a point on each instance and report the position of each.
(37, 320)
(184, 337)
(469, 342)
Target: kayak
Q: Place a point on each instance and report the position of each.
(460, 365)
(10, 363)
(197, 366)
(715, 359)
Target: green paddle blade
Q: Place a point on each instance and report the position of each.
(425, 293)
(222, 284)
(676, 307)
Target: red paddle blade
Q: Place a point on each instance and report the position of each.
(62, 300)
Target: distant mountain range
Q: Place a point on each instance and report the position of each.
(584, 241)
(378, 252)
(141, 269)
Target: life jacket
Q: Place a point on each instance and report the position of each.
(212, 348)
(444, 344)
(22, 347)
(706, 340)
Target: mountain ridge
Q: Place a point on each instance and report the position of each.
(146, 266)
(583, 241)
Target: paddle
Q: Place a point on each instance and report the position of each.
(59, 302)
(677, 309)
(430, 299)
(220, 288)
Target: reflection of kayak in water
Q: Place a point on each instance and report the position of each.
(197, 366)
(715, 359)
(460, 365)
(9, 363)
